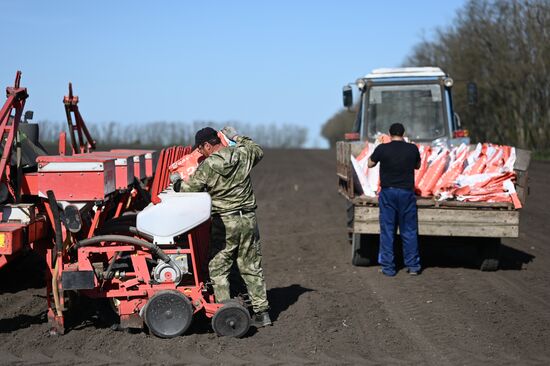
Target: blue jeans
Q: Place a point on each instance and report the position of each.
(398, 207)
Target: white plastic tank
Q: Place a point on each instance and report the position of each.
(175, 215)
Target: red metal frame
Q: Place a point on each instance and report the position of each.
(135, 287)
(8, 127)
(77, 178)
(85, 142)
(162, 178)
(151, 159)
(15, 237)
(124, 173)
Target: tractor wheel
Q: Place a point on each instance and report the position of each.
(168, 314)
(231, 320)
(364, 250)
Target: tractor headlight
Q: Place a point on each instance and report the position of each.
(360, 84)
(448, 82)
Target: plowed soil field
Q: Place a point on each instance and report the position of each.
(326, 311)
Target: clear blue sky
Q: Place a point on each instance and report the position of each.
(250, 61)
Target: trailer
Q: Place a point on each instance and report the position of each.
(421, 97)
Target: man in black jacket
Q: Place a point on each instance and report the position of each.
(398, 160)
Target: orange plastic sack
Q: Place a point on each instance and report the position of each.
(488, 187)
(497, 162)
(478, 166)
(365, 153)
(456, 166)
(494, 197)
(435, 170)
(187, 165)
(383, 139)
(488, 175)
(224, 140)
(425, 151)
(481, 183)
(368, 177)
(371, 176)
(489, 197)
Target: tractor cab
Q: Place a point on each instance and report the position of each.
(418, 97)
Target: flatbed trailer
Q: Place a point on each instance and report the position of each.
(490, 220)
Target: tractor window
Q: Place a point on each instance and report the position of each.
(418, 107)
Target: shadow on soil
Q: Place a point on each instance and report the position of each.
(459, 252)
(281, 298)
(21, 321)
(86, 312)
(23, 273)
(462, 254)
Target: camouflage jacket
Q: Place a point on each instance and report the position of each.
(225, 175)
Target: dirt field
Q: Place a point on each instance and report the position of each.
(325, 311)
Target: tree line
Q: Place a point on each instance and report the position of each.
(504, 47)
(164, 133)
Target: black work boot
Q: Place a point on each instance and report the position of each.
(261, 320)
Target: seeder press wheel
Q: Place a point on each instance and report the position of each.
(168, 314)
(232, 320)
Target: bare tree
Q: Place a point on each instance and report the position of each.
(503, 46)
(163, 133)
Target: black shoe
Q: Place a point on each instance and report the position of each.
(261, 320)
(413, 273)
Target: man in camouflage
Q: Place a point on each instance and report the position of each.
(225, 175)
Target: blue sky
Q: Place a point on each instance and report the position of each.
(249, 61)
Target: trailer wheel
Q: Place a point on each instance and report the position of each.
(364, 250)
(489, 253)
(168, 314)
(231, 320)
(489, 265)
(350, 215)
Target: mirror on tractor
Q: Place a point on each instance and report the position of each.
(347, 95)
(472, 93)
(28, 115)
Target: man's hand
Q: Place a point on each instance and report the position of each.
(174, 177)
(230, 132)
(371, 164)
(176, 180)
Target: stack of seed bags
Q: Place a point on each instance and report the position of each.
(483, 174)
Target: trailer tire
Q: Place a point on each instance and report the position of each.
(489, 265)
(364, 250)
(350, 214)
(489, 253)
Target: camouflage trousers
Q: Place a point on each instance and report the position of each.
(237, 237)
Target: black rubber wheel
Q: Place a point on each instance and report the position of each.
(231, 320)
(489, 265)
(168, 314)
(364, 250)
(489, 249)
(350, 215)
